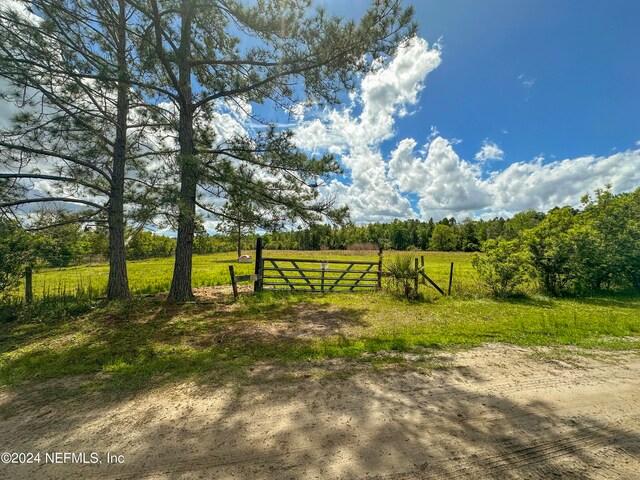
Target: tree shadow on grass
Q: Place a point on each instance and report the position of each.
(179, 390)
(129, 346)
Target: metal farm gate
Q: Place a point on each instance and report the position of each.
(307, 274)
(315, 275)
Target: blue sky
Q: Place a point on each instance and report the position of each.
(497, 106)
(583, 58)
(550, 88)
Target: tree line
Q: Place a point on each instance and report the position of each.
(74, 244)
(133, 113)
(566, 250)
(571, 252)
(447, 234)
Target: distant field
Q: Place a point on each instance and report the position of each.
(154, 275)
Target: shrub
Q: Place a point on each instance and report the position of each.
(403, 276)
(504, 267)
(553, 251)
(15, 251)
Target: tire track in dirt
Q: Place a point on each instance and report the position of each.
(527, 454)
(511, 457)
(534, 419)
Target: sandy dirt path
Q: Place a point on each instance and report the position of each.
(494, 412)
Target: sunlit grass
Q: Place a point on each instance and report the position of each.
(154, 275)
(126, 346)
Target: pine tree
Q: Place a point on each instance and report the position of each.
(70, 74)
(207, 54)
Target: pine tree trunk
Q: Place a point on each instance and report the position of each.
(181, 290)
(239, 239)
(118, 283)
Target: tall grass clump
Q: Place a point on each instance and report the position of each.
(60, 304)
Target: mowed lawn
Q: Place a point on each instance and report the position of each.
(154, 275)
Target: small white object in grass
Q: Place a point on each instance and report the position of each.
(245, 259)
(324, 265)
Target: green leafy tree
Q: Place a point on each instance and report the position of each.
(399, 235)
(520, 222)
(553, 250)
(15, 253)
(149, 245)
(424, 234)
(442, 239)
(504, 267)
(608, 240)
(468, 236)
(98, 241)
(494, 228)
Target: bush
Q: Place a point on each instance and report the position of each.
(553, 251)
(504, 267)
(15, 247)
(403, 276)
(149, 245)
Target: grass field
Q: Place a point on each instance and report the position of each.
(154, 275)
(126, 346)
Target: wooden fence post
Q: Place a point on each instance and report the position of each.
(417, 276)
(450, 279)
(257, 285)
(233, 282)
(380, 267)
(28, 284)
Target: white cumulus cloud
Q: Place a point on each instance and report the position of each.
(432, 180)
(489, 151)
(356, 131)
(541, 186)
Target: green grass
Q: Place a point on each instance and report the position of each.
(128, 346)
(145, 276)
(154, 275)
(146, 342)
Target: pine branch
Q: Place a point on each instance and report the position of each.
(85, 219)
(55, 177)
(26, 201)
(37, 151)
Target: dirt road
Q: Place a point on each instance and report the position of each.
(493, 412)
